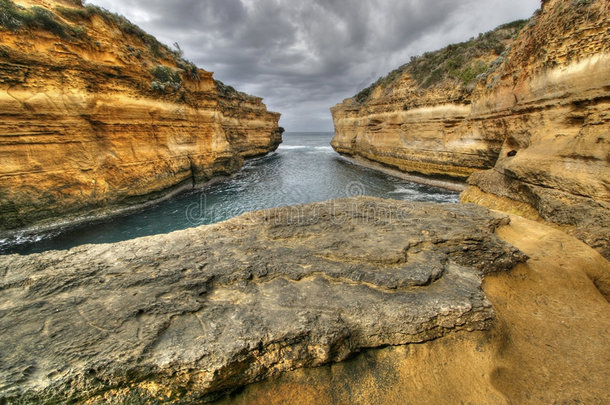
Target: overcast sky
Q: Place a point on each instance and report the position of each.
(304, 56)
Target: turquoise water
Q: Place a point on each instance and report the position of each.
(303, 169)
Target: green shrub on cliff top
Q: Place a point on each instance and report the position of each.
(43, 18)
(227, 91)
(458, 62)
(15, 17)
(156, 48)
(165, 78)
(190, 69)
(224, 89)
(74, 14)
(10, 16)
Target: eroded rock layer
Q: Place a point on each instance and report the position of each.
(548, 343)
(538, 120)
(185, 316)
(415, 119)
(96, 115)
(554, 94)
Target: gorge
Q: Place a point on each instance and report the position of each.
(342, 298)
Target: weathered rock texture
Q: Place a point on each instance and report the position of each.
(415, 118)
(538, 119)
(188, 315)
(88, 126)
(553, 94)
(549, 343)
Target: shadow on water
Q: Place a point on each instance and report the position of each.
(304, 169)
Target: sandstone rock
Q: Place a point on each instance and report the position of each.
(191, 314)
(420, 124)
(548, 343)
(87, 128)
(537, 120)
(556, 153)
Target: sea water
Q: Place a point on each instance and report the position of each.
(303, 169)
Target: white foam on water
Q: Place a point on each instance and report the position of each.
(20, 239)
(308, 148)
(290, 147)
(402, 190)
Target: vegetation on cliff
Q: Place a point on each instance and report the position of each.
(165, 78)
(14, 17)
(118, 118)
(170, 69)
(85, 14)
(460, 63)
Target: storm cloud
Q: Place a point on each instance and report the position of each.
(303, 57)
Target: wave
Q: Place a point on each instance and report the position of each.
(8, 245)
(306, 148)
(290, 147)
(402, 190)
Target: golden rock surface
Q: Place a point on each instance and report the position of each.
(83, 132)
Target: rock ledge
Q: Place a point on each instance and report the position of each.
(195, 313)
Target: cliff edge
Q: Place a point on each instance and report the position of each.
(97, 116)
(530, 131)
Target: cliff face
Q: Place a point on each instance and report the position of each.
(537, 120)
(415, 118)
(553, 92)
(96, 115)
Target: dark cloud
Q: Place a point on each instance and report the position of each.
(304, 57)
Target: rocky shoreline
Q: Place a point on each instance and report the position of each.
(446, 183)
(280, 301)
(196, 313)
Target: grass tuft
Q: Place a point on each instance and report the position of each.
(14, 18)
(458, 62)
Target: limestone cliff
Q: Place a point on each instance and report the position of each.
(553, 94)
(96, 116)
(415, 118)
(537, 120)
